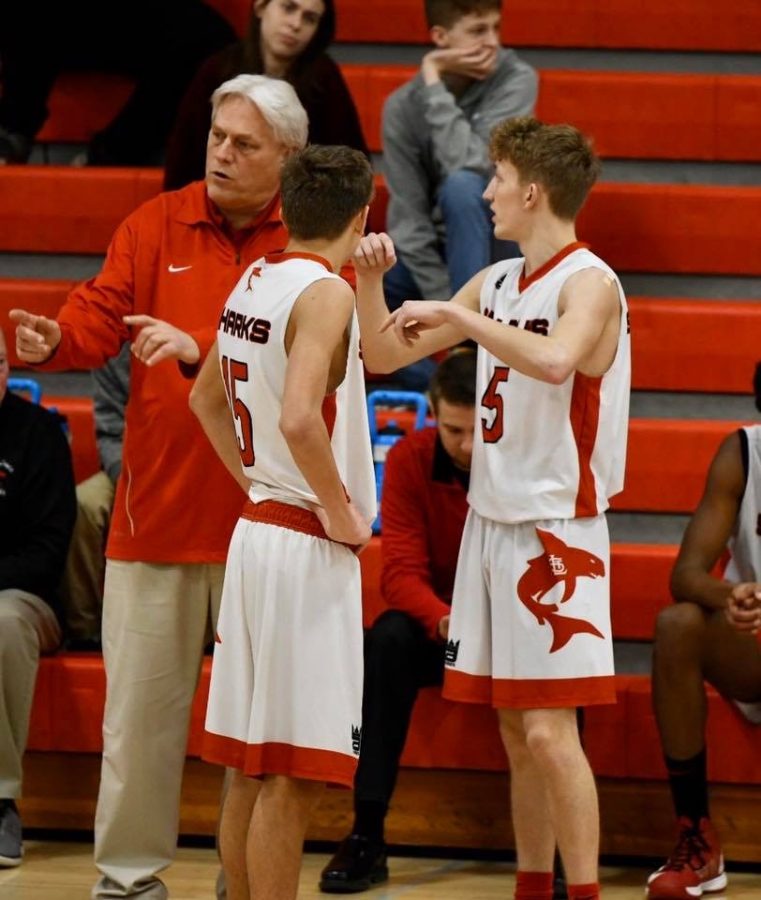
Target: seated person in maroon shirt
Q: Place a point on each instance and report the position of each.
(424, 505)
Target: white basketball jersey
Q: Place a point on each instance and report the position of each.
(745, 545)
(547, 451)
(251, 340)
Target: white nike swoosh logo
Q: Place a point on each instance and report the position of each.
(179, 268)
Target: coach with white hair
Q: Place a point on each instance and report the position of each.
(174, 260)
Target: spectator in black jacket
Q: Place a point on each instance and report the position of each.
(286, 39)
(159, 43)
(37, 511)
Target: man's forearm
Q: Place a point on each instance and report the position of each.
(694, 586)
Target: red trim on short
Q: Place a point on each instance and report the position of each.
(329, 408)
(284, 257)
(585, 419)
(295, 518)
(526, 281)
(529, 693)
(273, 512)
(280, 759)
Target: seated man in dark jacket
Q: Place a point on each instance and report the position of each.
(37, 511)
(424, 506)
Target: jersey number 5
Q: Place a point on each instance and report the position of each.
(492, 400)
(234, 371)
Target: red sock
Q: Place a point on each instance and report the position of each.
(533, 886)
(584, 891)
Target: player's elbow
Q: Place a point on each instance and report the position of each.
(557, 367)
(199, 402)
(378, 365)
(295, 424)
(376, 361)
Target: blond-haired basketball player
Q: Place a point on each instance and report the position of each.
(283, 404)
(530, 629)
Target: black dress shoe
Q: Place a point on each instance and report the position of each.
(356, 866)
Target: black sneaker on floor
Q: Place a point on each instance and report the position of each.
(11, 848)
(356, 866)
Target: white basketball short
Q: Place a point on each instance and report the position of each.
(286, 680)
(530, 625)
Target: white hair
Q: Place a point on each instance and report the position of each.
(275, 99)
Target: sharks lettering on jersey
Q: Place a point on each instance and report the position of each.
(537, 326)
(248, 328)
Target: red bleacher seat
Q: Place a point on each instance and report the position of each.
(684, 116)
(64, 209)
(694, 345)
(78, 412)
(681, 25)
(712, 345)
(667, 460)
(621, 739)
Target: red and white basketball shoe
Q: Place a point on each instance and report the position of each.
(695, 866)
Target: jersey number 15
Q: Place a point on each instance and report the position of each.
(233, 372)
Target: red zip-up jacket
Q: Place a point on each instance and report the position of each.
(172, 259)
(423, 510)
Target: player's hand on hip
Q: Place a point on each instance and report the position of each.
(157, 340)
(744, 607)
(347, 526)
(414, 317)
(36, 336)
(443, 628)
(375, 254)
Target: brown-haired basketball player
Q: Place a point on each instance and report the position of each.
(530, 629)
(287, 416)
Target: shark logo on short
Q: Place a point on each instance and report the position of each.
(558, 563)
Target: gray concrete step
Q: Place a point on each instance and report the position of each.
(563, 58)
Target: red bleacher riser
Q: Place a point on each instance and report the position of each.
(639, 587)
(675, 118)
(684, 116)
(635, 227)
(680, 25)
(712, 346)
(80, 105)
(732, 742)
(738, 131)
(667, 460)
(694, 345)
(675, 228)
(64, 209)
(621, 739)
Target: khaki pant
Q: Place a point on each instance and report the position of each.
(156, 621)
(82, 583)
(28, 627)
